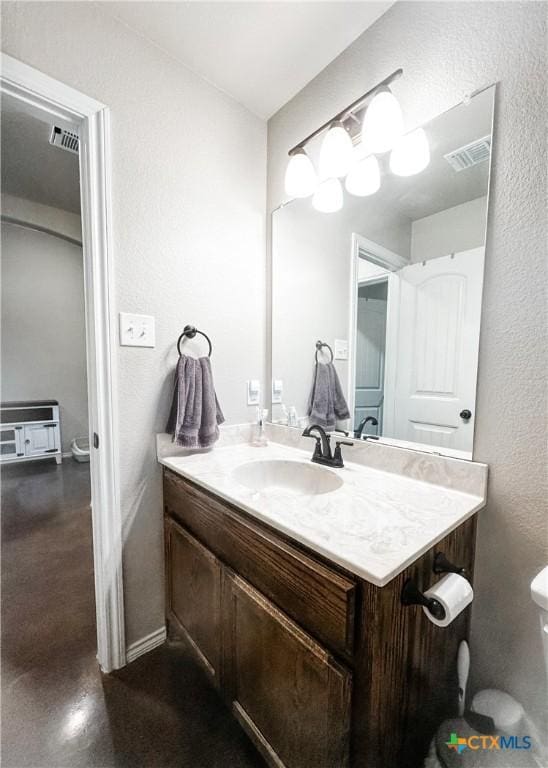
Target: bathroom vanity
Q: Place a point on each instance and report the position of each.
(290, 598)
(285, 577)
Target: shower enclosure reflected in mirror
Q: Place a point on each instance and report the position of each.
(393, 284)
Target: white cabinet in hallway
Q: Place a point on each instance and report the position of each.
(30, 430)
(40, 438)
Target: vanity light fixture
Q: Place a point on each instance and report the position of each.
(328, 198)
(336, 151)
(300, 176)
(411, 154)
(374, 122)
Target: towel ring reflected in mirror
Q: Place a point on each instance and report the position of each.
(189, 332)
(320, 345)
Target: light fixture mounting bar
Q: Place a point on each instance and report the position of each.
(347, 110)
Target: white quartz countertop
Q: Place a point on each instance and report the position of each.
(375, 525)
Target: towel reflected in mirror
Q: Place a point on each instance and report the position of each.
(326, 404)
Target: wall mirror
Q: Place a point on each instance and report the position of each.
(391, 284)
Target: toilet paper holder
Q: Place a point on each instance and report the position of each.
(411, 595)
(443, 565)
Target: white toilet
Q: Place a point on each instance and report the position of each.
(498, 705)
(539, 593)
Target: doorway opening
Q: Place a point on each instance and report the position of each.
(39, 98)
(46, 493)
(373, 308)
(370, 354)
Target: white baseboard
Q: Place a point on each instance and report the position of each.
(146, 644)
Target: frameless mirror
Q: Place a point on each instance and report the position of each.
(391, 286)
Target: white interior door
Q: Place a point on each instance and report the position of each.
(370, 352)
(438, 342)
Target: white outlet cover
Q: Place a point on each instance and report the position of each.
(341, 349)
(137, 330)
(277, 390)
(254, 392)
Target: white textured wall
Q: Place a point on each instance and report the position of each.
(43, 329)
(459, 228)
(447, 49)
(189, 179)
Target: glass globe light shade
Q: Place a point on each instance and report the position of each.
(300, 176)
(411, 154)
(328, 197)
(382, 123)
(336, 152)
(364, 178)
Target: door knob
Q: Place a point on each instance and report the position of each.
(465, 414)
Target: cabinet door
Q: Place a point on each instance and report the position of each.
(11, 442)
(194, 595)
(39, 439)
(288, 693)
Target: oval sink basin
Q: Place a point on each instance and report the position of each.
(296, 476)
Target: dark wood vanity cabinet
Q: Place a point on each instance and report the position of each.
(287, 691)
(322, 669)
(194, 595)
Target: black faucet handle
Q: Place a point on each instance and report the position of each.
(337, 456)
(317, 447)
(318, 452)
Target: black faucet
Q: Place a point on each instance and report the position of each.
(322, 452)
(361, 426)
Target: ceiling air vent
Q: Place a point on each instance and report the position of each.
(471, 154)
(64, 140)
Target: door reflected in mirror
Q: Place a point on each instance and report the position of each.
(393, 284)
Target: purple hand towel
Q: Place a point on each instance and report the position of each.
(195, 411)
(326, 403)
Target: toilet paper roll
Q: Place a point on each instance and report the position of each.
(454, 592)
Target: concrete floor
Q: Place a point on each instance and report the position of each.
(58, 710)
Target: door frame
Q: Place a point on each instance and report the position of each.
(53, 101)
(376, 254)
(359, 283)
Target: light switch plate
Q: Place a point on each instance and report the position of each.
(341, 349)
(137, 330)
(253, 392)
(277, 390)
